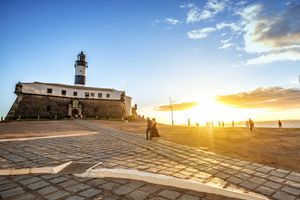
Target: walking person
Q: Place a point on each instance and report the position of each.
(279, 123)
(154, 129)
(251, 124)
(149, 129)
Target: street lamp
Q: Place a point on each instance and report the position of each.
(171, 111)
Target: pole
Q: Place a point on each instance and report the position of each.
(171, 111)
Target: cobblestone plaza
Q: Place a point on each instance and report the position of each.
(122, 150)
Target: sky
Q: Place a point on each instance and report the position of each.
(216, 59)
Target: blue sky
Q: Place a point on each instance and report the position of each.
(188, 50)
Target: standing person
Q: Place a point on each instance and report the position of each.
(154, 129)
(232, 123)
(149, 129)
(279, 124)
(223, 124)
(251, 124)
(189, 122)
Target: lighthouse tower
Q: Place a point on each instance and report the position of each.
(80, 68)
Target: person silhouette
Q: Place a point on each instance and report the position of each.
(279, 124)
(251, 124)
(149, 129)
(154, 129)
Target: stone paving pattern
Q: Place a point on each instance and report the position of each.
(52, 187)
(119, 149)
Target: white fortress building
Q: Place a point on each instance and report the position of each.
(52, 100)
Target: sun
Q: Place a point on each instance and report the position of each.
(211, 110)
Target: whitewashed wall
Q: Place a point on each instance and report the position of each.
(41, 89)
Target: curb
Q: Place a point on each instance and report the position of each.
(159, 179)
(35, 170)
(46, 137)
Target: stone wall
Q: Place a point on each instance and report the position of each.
(31, 106)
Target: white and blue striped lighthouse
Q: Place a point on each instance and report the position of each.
(80, 69)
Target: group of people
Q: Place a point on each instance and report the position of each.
(151, 131)
(250, 124)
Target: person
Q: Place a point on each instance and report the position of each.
(223, 125)
(232, 123)
(251, 124)
(149, 129)
(279, 124)
(197, 124)
(189, 122)
(154, 129)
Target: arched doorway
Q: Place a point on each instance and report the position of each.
(75, 113)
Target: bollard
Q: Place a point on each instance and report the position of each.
(38, 117)
(19, 117)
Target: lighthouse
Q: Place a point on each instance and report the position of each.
(80, 69)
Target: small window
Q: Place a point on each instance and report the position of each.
(92, 94)
(107, 95)
(99, 95)
(48, 108)
(49, 90)
(87, 94)
(74, 93)
(63, 92)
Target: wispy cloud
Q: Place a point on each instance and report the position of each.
(267, 97)
(266, 33)
(233, 26)
(226, 45)
(274, 37)
(168, 21)
(171, 21)
(211, 8)
(178, 107)
(200, 33)
(272, 57)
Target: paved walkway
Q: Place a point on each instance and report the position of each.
(52, 187)
(118, 149)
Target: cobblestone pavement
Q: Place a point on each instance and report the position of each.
(52, 187)
(118, 149)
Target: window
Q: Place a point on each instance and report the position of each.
(87, 94)
(74, 93)
(49, 90)
(63, 92)
(107, 95)
(99, 95)
(48, 108)
(92, 94)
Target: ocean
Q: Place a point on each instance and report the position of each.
(270, 124)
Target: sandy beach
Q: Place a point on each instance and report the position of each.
(271, 146)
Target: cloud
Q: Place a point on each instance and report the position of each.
(274, 37)
(168, 20)
(189, 5)
(211, 8)
(178, 107)
(271, 57)
(200, 33)
(274, 98)
(233, 26)
(226, 45)
(172, 21)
